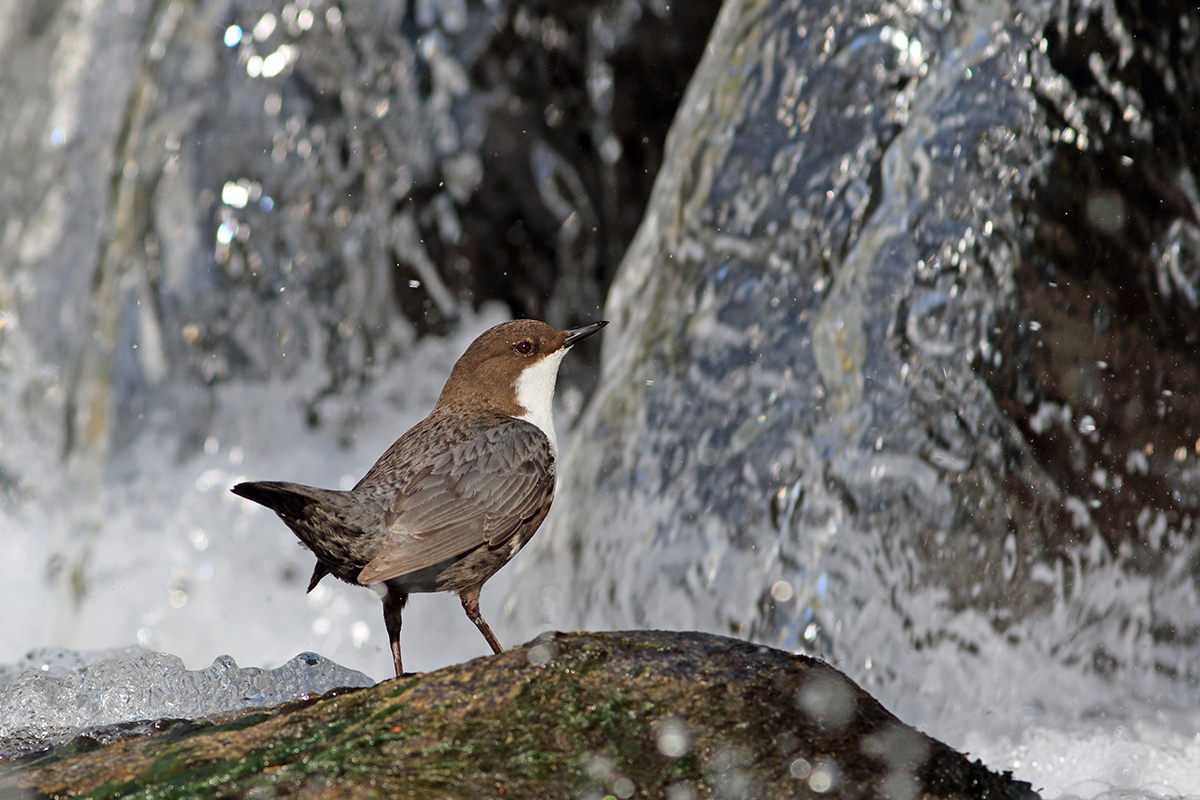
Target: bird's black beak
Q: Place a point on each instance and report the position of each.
(576, 335)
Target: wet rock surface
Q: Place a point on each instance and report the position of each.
(631, 714)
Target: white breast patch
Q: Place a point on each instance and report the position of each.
(535, 393)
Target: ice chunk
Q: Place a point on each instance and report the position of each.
(52, 695)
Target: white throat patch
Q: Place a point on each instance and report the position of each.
(535, 393)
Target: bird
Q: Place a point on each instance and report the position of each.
(455, 497)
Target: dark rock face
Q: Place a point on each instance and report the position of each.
(830, 416)
(1103, 337)
(634, 714)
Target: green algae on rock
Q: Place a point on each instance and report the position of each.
(630, 714)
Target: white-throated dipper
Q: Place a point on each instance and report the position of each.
(454, 498)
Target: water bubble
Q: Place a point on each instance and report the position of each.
(264, 27)
(782, 591)
(209, 479)
(199, 539)
(683, 790)
(540, 654)
(1106, 212)
(900, 785)
(275, 63)
(623, 788)
(828, 701)
(601, 768)
(822, 778)
(672, 736)
(360, 633)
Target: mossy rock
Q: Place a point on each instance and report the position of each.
(631, 714)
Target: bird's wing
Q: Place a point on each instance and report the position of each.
(478, 491)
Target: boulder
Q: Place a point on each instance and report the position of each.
(630, 714)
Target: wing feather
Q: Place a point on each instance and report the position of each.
(478, 491)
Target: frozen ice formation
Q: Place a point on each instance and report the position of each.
(51, 695)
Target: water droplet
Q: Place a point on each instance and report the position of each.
(264, 27)
(199, 539)
(821, 780)
(540, 654)
(672, 736)
(782, 591)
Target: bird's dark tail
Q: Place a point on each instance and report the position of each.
(288, 500)
(319, 572)
(303, 508)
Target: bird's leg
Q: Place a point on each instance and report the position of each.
(393, 603)
(470, 603)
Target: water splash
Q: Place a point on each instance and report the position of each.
(49, 696)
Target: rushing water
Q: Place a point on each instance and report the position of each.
(814, 407)
(194, 571)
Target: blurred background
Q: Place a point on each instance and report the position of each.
(902, 368)
(233, 235)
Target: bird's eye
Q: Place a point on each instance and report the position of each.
(524, 347)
